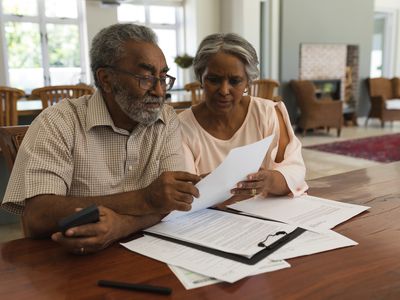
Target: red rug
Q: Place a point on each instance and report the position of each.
(385, 148)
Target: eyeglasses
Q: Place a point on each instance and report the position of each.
(148, 82)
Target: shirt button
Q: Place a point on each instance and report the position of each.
(130, 168)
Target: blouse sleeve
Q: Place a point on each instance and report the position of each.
(292, 167)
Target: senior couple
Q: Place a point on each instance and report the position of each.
(121, 148)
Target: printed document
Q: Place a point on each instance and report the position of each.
(308, 212)
(200, 262)
(310, 243)
(215, 187)
(223, 231)
(191, 280)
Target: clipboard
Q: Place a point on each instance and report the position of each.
(236, 257)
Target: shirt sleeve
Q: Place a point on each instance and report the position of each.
(171, 158)
(44, 161)
(292, 167)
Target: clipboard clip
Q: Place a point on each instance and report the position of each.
(261, 244)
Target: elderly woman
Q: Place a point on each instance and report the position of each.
(226, 64)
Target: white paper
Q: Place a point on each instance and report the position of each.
(308, 212)
(215, 187)
(223, 231)
(191, 280)
(310, 243)
(200, 262)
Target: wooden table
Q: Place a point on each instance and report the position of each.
(32, 269)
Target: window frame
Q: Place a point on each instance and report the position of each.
(42, 20)
(178, 27)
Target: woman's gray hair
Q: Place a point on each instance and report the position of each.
(107, 46)
(230, 43)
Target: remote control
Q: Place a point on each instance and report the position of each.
(87, 215)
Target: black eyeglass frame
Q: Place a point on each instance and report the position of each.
(144, 79)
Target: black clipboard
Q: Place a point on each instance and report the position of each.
(236, 257)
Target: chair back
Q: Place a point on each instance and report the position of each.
(305, 93)
(8, 105)
(53, 94)
(196, 92)
(10, 139)
(380, 87)
(263, 88)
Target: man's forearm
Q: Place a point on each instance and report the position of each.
(42, 212)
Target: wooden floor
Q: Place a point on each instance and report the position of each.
(318, 163)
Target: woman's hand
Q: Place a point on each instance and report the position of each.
(263, 182)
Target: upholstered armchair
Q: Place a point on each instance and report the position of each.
(316, 113)
(384, 94)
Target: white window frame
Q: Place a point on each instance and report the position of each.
(178, 27)
(42, 20)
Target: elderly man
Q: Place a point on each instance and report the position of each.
(119, 148)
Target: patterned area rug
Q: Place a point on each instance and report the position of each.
(385, 148)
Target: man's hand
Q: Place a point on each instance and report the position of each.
(93, 237)
(172, 191)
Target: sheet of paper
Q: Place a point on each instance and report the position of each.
(308, 212)
(310, 243)
(198, 261)
(223, 231)
(215, 187)
(191, 280)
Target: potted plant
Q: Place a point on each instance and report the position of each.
(184, 61)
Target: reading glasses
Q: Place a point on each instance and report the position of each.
(148, 82)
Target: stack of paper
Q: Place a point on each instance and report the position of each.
(240, 234)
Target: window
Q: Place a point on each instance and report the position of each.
(42, 42)
(166, 20)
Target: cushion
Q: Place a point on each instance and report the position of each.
(392, 104)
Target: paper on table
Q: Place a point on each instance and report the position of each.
(198, 261)
(308, 212)
(223, 231)
(310, 243)
(191, 280)
(215, 187)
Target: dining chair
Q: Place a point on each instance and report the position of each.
(316, 113)
(51, 95)
(264, 88)
(196, 91)
(10, 139)
(8, 105)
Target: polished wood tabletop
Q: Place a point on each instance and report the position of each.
(40, 269)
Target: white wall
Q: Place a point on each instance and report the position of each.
(242, 17)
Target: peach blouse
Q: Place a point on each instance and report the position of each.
(203, 152)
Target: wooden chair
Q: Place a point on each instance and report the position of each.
(53, 94)
(316, 113)
(196, 91)
(8, 105)
(10, 140)
(383, 91)
(264, 88)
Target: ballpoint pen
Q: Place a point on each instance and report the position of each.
(135, 287)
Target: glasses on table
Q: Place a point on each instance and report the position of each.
(148, 82)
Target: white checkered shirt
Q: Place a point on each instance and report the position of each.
(74, 149)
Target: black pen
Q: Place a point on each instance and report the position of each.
(135, 287)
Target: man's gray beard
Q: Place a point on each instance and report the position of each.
(135, 108)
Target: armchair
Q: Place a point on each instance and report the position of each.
(385, 99)
(316, 113)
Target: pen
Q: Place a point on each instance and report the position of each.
(135, 287)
